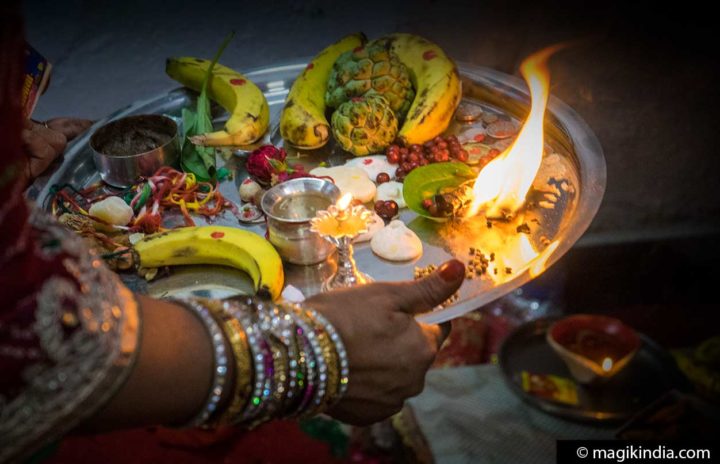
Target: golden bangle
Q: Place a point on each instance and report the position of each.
(331, 360)
(235, 333)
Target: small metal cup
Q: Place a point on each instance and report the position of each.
(292, 236)
(121, 169)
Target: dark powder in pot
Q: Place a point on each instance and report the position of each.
(134, 141)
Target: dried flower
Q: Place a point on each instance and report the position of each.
(260, 166)
(267, 165)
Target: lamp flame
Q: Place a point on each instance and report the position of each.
(502, 185)
(344, 201)
(607, 364)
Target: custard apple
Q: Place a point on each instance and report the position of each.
(371, 70)
(364, 125)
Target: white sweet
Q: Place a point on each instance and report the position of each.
(374, 224)
(396, 242)
(293, 294)
(248, 189)
(373, 165)
(391, 191)
(349, 180)
(112, 210)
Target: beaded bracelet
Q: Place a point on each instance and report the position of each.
(317, 364)
(290, 361)
(220, 360)
(330, 358)
(242, 390)
(341, 352)
(258, 355)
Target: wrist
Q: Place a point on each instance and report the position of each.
(288, 361)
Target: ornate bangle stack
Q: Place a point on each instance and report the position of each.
(289, 362)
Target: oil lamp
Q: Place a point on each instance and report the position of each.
(339, 225)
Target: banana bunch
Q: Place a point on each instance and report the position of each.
(248, 108)
(219, 245)
(438, 89)
(302, 122)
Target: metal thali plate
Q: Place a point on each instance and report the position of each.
(577, 155)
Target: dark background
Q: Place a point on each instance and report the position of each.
(643, 76)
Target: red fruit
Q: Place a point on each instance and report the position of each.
(406, 166)
(452, 138)
(391, 209)
(382, 178)
(438, 158)
(462, 155)
(438, 139)
(379, 205)
(415, 147)
(393, 157)
(427, 203)
(423, 162)
(404, 151)
(442, 144)
(413, 158)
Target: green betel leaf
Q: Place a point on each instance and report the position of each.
(197, 159)
(426, 181)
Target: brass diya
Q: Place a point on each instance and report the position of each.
(340, 224)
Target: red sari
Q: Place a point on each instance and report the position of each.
(69, 329)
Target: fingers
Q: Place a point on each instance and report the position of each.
(42, 145)
(424, 294)
(69, 127)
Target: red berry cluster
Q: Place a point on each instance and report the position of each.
(387, 209)
(438, 150)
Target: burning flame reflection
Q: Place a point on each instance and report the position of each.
(502, 185)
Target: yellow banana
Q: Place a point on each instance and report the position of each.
(438, 89)
(302, 122)
(220, 245)
(248, 108)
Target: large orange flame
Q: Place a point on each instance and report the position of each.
(501, 187)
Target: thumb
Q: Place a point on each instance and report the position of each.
(424, 294)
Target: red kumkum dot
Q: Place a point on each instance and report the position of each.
(310, 66)
(367, 161)
(237, 81)
(429, 55)
(217, 234)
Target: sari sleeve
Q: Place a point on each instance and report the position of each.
(69, 335)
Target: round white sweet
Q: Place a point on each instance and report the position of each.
(396, 242)
(391, 191)
(373, 165)
(375, 224)
(248, 189)
(349, 180)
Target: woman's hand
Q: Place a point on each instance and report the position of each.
(389, 352)
(44, 142)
